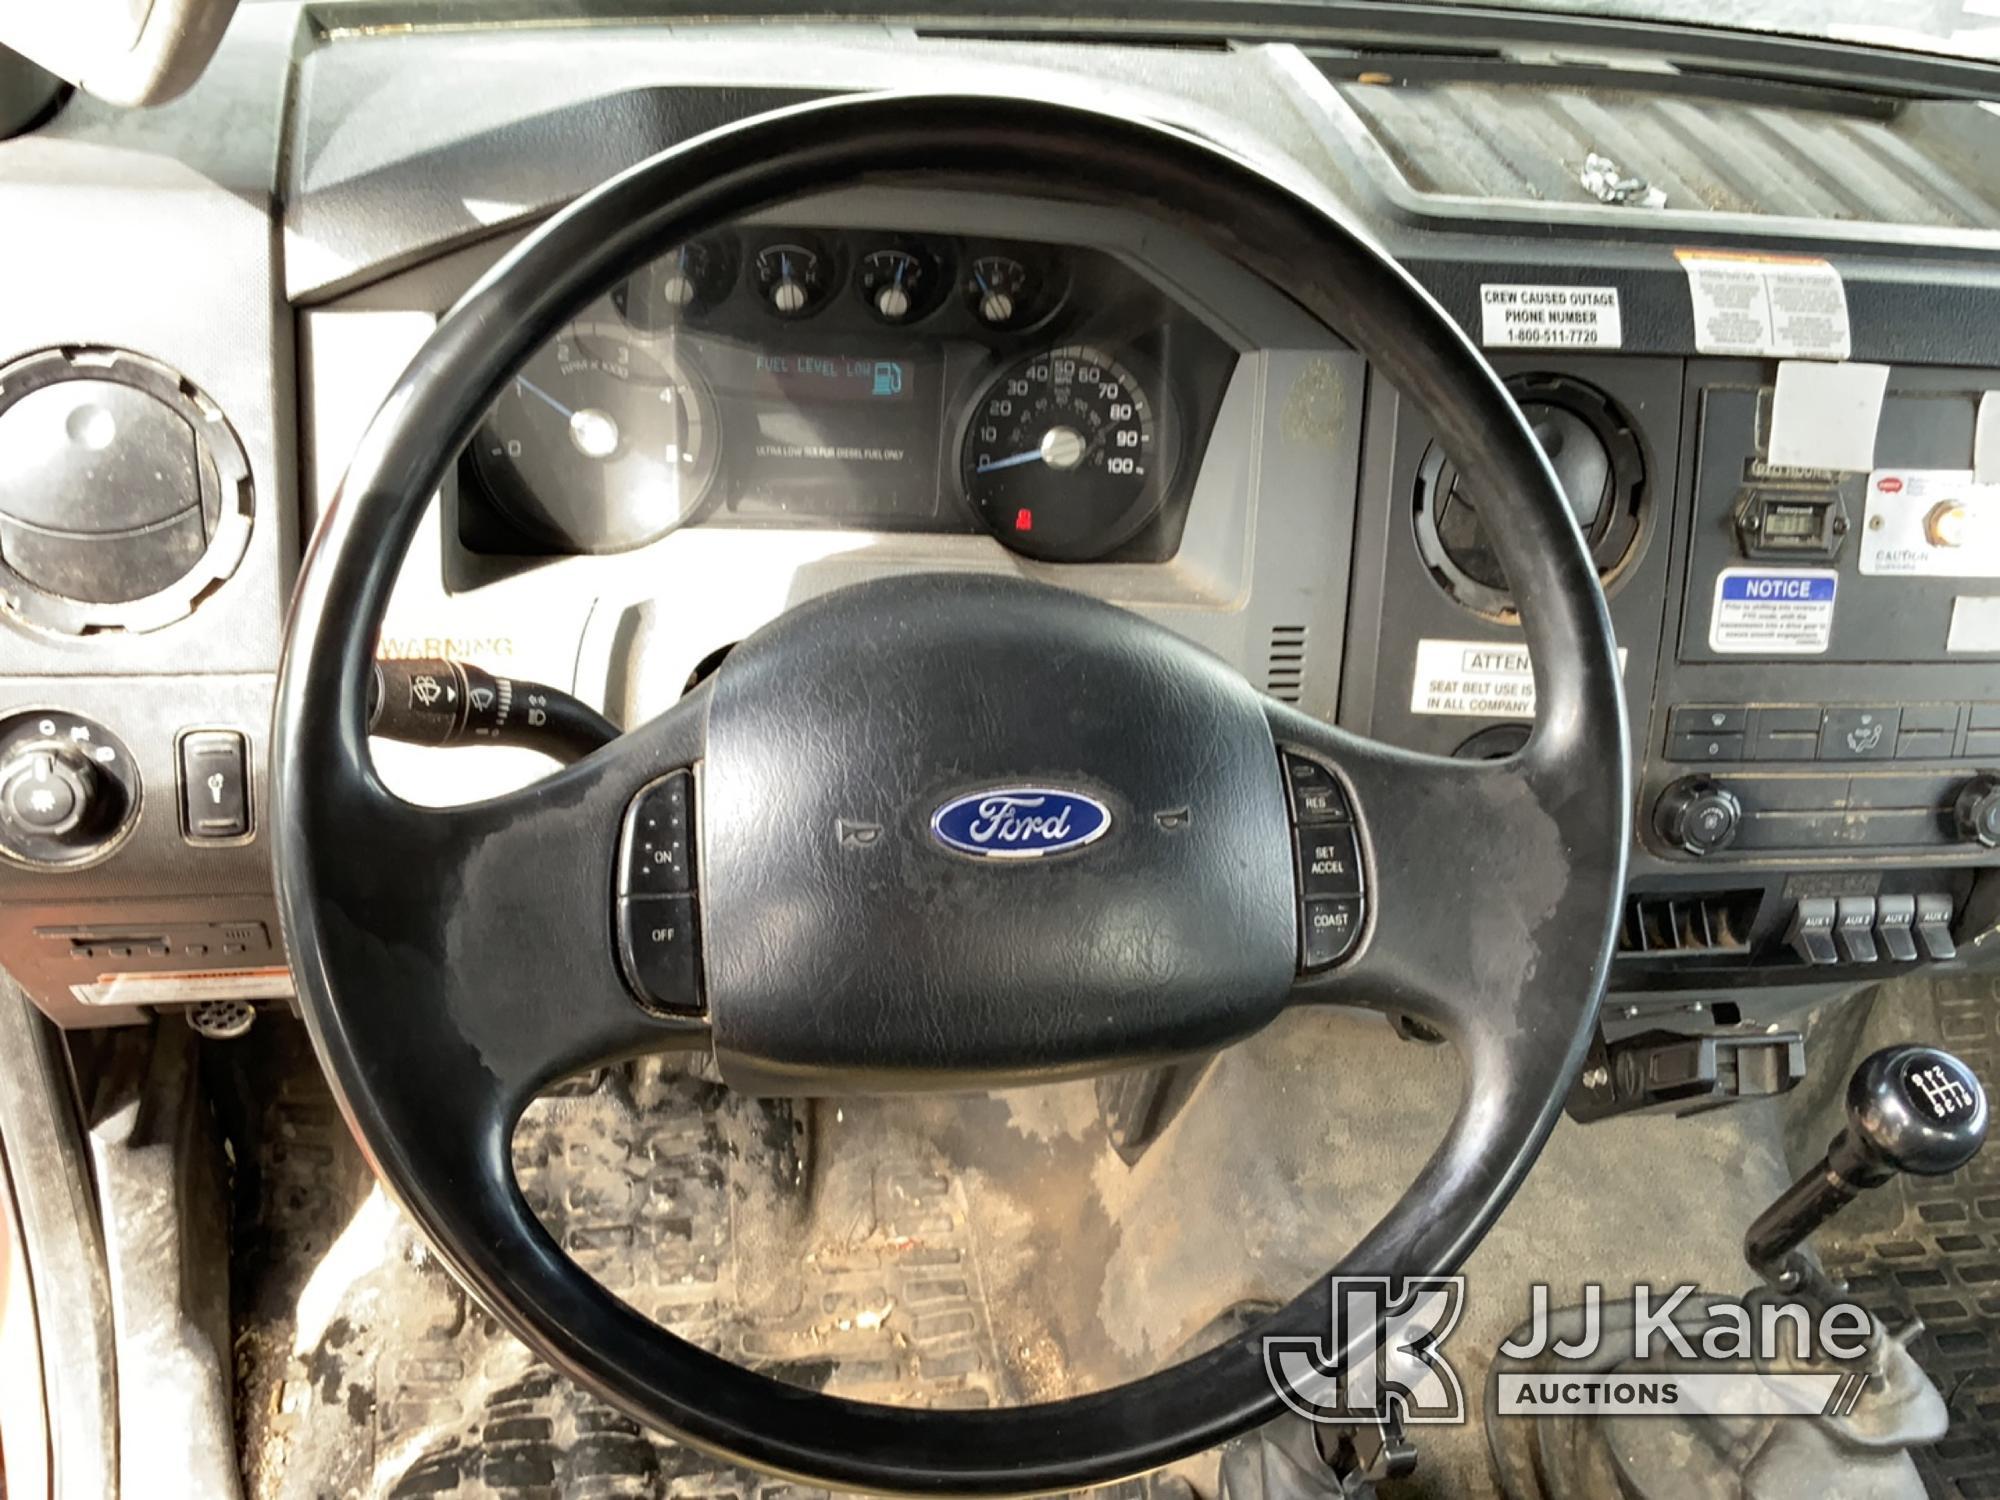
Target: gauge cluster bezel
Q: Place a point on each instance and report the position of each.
(1072, 295)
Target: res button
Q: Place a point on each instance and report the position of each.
(1316, 796)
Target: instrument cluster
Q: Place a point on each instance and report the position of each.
(809, 378)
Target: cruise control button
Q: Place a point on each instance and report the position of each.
(656, 858)
(656, 945)
(1316, 796)
(1328, 926)
(1329, 862)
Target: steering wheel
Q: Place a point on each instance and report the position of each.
(453, 961)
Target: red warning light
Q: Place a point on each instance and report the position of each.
(1024, 519)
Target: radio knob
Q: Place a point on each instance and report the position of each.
(1977, 811)
(1697, 815)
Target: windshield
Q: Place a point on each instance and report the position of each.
(1961, 28)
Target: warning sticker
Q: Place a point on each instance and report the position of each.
(187, 987)
(1476, 679)
(1549, 317)
(1787, 306)
(1931, 523)
(1772, 611)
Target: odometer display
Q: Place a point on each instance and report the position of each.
(1062, 458)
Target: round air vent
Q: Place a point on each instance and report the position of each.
(127, 497)
(1595, 451)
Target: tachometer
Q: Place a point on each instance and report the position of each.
(1063, 458)
(598, 444)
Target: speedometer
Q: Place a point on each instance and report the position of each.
(1064, 458)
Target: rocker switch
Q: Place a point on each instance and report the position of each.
(1811, 934)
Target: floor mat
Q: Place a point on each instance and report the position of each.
(364, 1371)
(975, 1250)
(1929, 1248)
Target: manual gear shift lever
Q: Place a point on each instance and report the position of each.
(1909, 1109)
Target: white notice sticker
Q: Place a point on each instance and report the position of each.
(1824, 416)
(1476, 679)
(1931, 523)
(1790, 306)
(1975, 623)
(1773, 611)
(1549, 317)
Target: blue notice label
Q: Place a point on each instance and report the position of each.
(1816, 588)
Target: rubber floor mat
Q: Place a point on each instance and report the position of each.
(363, 1370)
(1929, 1248)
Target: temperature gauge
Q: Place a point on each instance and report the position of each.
(900, 284)
(793, 276)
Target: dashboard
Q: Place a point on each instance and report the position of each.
(991, 375)
(889, 382)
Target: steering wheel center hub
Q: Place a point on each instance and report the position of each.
(956, 715)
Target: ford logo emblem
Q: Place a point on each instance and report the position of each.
(1020, 822)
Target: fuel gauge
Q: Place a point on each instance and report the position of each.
(686, 282)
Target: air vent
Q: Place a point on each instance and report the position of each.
(1714, 925)
(1285, 663)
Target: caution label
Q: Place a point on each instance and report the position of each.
(1476, 679)
(1931, 523)
(1549, 317)
(1772, 611)
(1786, 306)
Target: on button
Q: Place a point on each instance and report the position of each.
(656, 858)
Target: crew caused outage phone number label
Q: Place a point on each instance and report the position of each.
(1476, 679)
(1549, 317)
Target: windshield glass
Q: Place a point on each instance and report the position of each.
(1962, 28)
